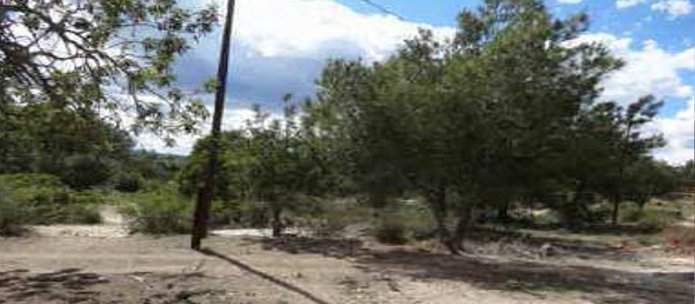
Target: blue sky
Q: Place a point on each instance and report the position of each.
(672, 30)
(280, 46)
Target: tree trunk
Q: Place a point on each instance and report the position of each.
(462, 227)
(437, 202)
(580, 204)
(277, 222)
(503, 212)
(616, 210)
(206, 189)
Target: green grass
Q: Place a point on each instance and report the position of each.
(162, 211)
(39, 199)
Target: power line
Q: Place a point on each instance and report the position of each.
(383, 9)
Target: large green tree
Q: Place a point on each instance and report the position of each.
(474, 122)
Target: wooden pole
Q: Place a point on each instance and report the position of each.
(207, 185)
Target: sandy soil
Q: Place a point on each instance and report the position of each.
(139, 269)
(102, 264)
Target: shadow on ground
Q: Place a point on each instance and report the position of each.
(630, 287)
(268, 277)
(335, 248)
(601, 285)
(67, 285)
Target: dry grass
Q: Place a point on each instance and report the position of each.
(680, 238)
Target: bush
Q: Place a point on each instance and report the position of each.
(650, 217)
(85, 171)
(12, 216)
(391, 232)
(87, 198)
(29, 180)
(41, 200)
(658, 219)
(128, 182)
(159, 212)
(630, 213)
(330, 225)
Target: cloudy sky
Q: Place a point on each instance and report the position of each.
(280, 46)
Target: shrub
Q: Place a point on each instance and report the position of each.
(159, 212)
(128, 182)
(29, 180)
(12, 216)
(84, 172)
(87, 198)
(41, 200)
(330, 225)
(651, 217)
(391, 232)
(658, 219)
(630, 213)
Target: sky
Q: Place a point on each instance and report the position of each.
(281, 46)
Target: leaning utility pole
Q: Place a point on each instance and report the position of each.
(207, 186)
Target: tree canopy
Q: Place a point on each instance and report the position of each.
(111, 57)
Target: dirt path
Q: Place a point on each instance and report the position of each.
(138, 269)
(103, 264)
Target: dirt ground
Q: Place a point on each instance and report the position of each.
(140, 269)
(103, 264)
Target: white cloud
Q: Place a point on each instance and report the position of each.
(627, 3)
(233, 119)
(310, 28)
(286, 42)
(649, 69)
(569, 1)
(281, 47)
(674, 8)
(679, 132)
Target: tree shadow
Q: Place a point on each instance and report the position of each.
(571, 247)
(529, 277)
(264, 275)
(593, 229)
(335, 248)
(69, 285)
(602, 284)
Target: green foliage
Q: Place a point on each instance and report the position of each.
(128, 182)
(43, 200)
(127, 44)
(505, 112)
(391, 232)
(274, 163)
(631, 213)
(162, 211)
(85, 171)
(12, 215)
(29, 180)
(81, 148)
(687, 171)
(652, 216)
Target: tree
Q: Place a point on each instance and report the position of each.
(469, 123)
(110, 57)
(79, 147)
(626, 144)
(268, 161)
(646, 178)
